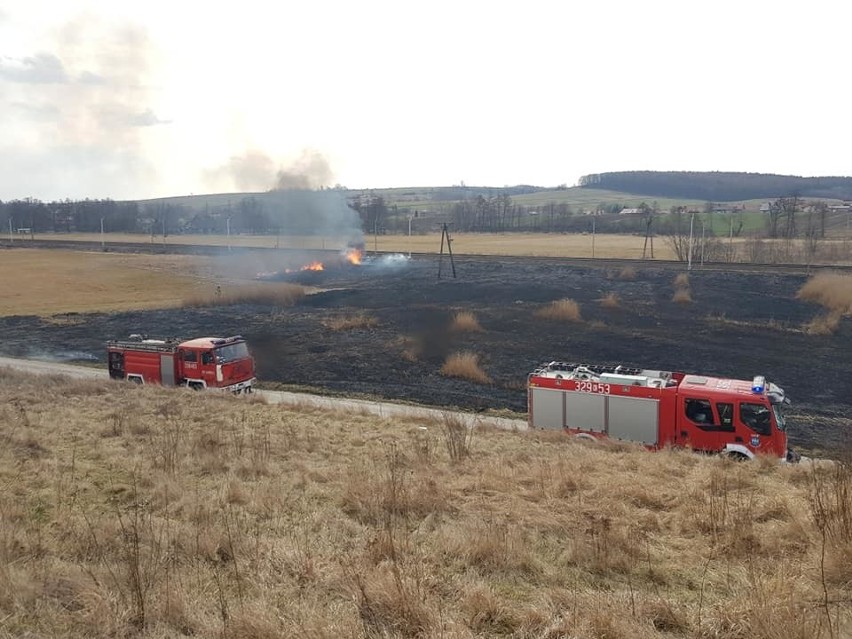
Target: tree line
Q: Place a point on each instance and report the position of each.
(719, 186)
(31, 215)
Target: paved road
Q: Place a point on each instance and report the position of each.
(381, 409)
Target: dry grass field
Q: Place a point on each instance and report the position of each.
(428, 240)
(520, 244)
(44, 282)
(53, 281)
(146, 512)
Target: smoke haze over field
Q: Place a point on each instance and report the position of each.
(317, 213)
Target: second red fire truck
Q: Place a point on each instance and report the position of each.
(658, 408)
(206, 362)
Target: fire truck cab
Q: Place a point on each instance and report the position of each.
(205, 362)
(660, 408)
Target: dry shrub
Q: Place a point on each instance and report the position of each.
(627, 274)
(391, 604)
(278, 294)
(610, 300)
(465, 365)
(487, 613)
(494, 547)
(604, 547)
(830, 497)
(458, 436)
(823, 324)
(351, 322)
(465, 322)
(833, 291)
(399, 490)
(682, 296)
(565, 310)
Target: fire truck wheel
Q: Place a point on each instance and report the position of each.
(195, 386)
(586, 437)
(735, 456)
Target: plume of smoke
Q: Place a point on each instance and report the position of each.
(254, 171)
(309, 171)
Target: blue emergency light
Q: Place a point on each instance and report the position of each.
(758, 384)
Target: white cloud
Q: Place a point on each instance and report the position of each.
(396, 94)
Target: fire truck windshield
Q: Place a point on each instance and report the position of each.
(231, 353)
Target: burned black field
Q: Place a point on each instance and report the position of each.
(737, 324)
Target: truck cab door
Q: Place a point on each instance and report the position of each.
(699, 424)
(208, 368)
(116, 365)
(755, 421)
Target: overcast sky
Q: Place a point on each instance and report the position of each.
(155, 98)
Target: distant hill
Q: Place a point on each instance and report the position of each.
(719, 186)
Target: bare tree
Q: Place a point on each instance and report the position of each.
(678, 235)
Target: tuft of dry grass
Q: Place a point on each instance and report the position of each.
(627, 274)
(825, 324)
(682, 293)
(410, 348)
(610, 301)
(832, 291)
(682, 296)
(465, 365)
(465, 322)
(272, 293)
(561, 310)
(351, 322)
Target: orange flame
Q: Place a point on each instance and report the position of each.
(354, 256)
(313, 266)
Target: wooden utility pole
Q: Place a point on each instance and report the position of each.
(445, 233)
(649, 222)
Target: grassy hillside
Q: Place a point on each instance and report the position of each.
(439, 198)
(145, 512)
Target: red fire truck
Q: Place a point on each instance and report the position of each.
(205, 362)
(660, 408)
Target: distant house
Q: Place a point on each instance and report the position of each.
(843, 207)
(726, 208)
(766, 207)
(629, 212)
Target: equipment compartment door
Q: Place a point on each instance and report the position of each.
(548, 408)
(585, 411)
(167, 370)
(634, 419)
